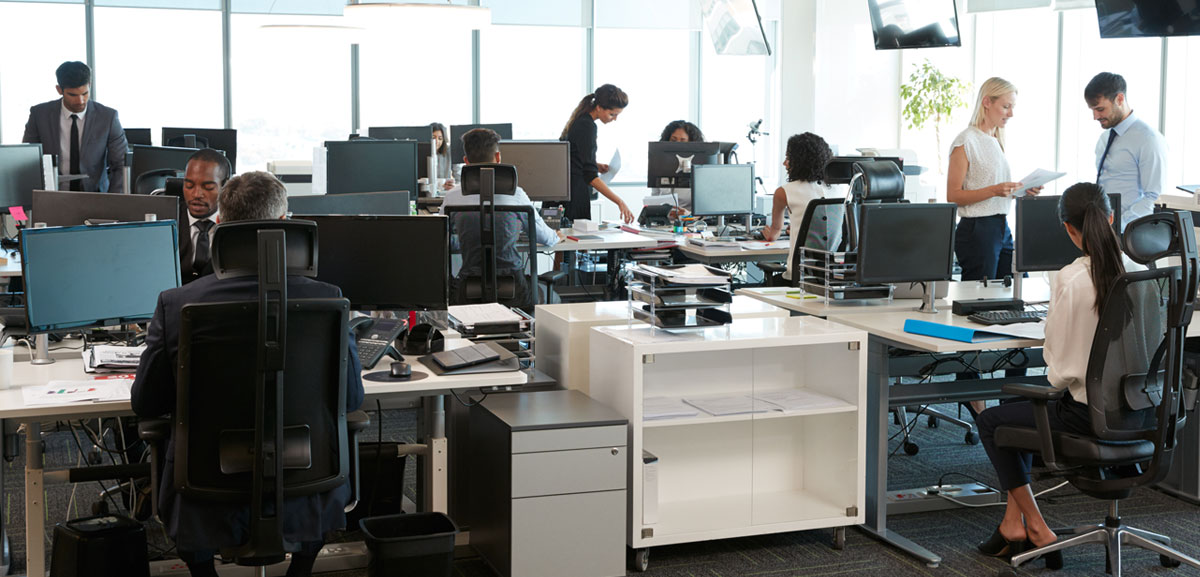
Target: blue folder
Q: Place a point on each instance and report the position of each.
(952, 332)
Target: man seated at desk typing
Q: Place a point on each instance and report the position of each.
(200, 529)
(482, 145)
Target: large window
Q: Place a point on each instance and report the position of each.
(1182, 128)
(735, 91)
(416, 77)
(27, 74)
(538, 94)
(160, 67)
(290, 93)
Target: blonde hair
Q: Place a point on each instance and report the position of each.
(992, 88)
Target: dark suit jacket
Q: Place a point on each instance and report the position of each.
(206, 526)
(101, 146)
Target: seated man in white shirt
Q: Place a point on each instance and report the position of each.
(482, 145)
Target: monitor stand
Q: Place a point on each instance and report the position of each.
(1017, 277)
(928, 299)
(41, 350)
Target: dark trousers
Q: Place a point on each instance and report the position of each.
(984, 247)
(1012, 465)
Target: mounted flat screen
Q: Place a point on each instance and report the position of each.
(1141, 18)
(900, 24)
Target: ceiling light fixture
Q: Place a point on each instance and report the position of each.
(399, 16)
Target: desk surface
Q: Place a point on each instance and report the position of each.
(1178, 202)
(13, 266)
(608, 312)
(890, 326)
(610, 239)
(1034, 289)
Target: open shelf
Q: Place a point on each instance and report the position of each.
(829, 405)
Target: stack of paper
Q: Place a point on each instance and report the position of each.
(655, 408)
(721, 405)
(112, 358)
(792, 400)
(687, 274)
(714, 243)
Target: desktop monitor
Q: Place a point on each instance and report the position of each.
(424, 151)
(138, 136)
(669, 164)
(419, 133)
(841, 168)
(900, 242)
(901, 24)
(1041, 242)
(223, 139)
(58, 208)
(20, 174)
(373, 203)
(386, 262)
(370, 166)
(147, 158)
(458, 130)
(543, 167)
(1140, 18)
(722, 189)
(94, 276)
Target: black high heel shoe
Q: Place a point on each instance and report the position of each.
(998, 546)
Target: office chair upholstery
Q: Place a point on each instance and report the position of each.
(1134, 380)
(260, 414)
(822, 228)
(471, 289)
(872, 182)
(152, 180)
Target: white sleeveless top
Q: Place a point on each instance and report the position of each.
(799, 194)
(986, 166)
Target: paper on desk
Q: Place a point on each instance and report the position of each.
(57, 393)
(471, 315)
(614, 166)
(1037, 178)
(766, 245)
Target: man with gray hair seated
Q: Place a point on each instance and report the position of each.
(200, 529)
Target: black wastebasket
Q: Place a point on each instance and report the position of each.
(410, 544)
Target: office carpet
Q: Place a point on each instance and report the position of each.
(952, 533)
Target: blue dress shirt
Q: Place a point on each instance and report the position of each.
(1136, 166)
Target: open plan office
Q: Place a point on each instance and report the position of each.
(587, 288)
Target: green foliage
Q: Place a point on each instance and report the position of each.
(930, 95)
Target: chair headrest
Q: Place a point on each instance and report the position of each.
(235, 247)
(1152, 237)
(506, 178)
(880, 180)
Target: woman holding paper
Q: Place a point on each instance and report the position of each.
(604, 105)
(979, 183)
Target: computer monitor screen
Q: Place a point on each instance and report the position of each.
(1137, 18)
(138, 136)
(223, 139)
(543, 167)
(370, 166)
(720, 189)
(385, 262)
(20, 174)
(420, 133)
(424, 151)
(1041, 242)
(900, 242)
(669, 164)
(458, 130)
(89, 276)
(914, 23)
(147, 158)
(841, 168)
(374, 203)
(58, 208)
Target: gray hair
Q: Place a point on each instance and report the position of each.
(252, 196)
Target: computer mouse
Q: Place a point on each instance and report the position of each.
(401, 370)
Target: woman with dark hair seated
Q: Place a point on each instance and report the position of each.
(805, 160)
(681, 131)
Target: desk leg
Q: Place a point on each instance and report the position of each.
(878, 416)
(5, 552)
(35, 505)
(436, 483)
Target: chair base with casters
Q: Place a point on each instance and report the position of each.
(934, 417)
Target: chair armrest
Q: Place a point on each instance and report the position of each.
(552, 277)
(1033, 392)
(357, 421)
(772, 267)
(154, 430)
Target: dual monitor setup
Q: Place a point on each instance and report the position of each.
(701, 169)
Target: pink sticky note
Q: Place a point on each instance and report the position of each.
(17, 212)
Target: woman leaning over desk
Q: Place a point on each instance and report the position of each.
(805, 160)
(604, 105)
(1075, 296)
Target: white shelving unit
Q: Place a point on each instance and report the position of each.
(744, 474)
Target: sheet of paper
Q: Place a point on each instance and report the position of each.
(69, 392)
(654, 408)
(792, 400)
(471, 315)
(614, 166)
(1037, 178)
(719, 405)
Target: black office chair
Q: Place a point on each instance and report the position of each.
(152, 180)
(872, 182)
(1134, 382)
(260, 415)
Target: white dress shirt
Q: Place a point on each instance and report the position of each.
(64, 141)
(196, 231)
(1136, 166)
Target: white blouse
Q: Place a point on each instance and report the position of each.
(799, 194)
(986, 166)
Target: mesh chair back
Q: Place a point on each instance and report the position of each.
(510, 221)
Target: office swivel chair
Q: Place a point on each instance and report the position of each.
(1134, 390)
(152, 180)
(260, 415)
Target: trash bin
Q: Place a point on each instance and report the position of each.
(410, 544)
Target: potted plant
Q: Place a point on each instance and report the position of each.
(928, 95)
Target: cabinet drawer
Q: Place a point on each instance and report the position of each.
(577, 535)
(563, 472)
(566, 439)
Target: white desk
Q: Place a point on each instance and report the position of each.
(1034, 289)
(715, 255)
(12, 406)
(13, 266)
(610, 239)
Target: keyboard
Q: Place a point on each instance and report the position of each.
(465, 357)
(1007, 317)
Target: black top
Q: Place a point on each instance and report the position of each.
(582, 136)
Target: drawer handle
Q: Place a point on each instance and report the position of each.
(616, 451)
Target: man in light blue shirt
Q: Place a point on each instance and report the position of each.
(482, 145)
(1131, 157)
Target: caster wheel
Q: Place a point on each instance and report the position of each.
(641, 559)
(839, 538)
(971, 438)
(911, 448)
(932, 422)
(1168, 562)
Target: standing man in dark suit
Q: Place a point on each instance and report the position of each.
(207, 171)
(200, 529)
(86, 136)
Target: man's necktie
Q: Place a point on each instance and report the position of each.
(1112, 135)
(75, 184)
(201, 256)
